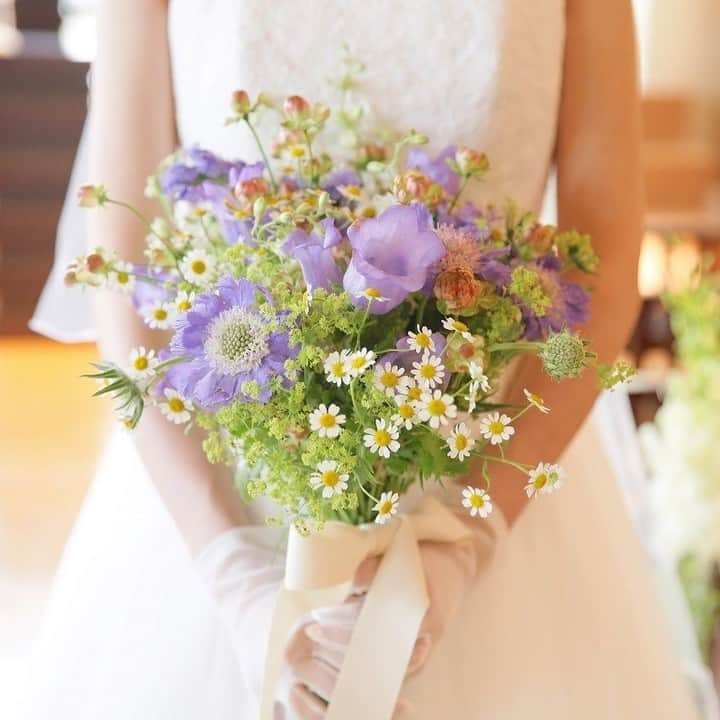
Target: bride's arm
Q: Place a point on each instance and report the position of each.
(131, 128)
(599, 193)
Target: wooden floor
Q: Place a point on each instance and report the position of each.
(51, 432)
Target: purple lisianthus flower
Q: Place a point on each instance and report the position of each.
(314, 253)
(187, 178)
(225, 342)
(570, 303)
(436, 168)
(492, 266)
(392, 254)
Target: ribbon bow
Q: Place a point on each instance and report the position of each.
(319, 573)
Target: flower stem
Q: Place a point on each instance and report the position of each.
(463, 184)
(519, 345)
(262, 152)
(311, 159)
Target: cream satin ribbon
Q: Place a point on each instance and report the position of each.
(319, 573)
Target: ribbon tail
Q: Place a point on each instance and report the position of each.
(384, 636)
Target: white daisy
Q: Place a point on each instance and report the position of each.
(197, 267)
(125, 416)
(337, 368)
(477, 374)
(436, 408)
(406, 416)
(460, 442)
(544, 479)
(382, 440)
(360, 361)
(496, 428)
(327, 421)
(160, 316)
(372, 295)
(142, 363)
(386, 507)
(411, 392)
(430, 371)
(457, 326)
(120, 277)
(329, 479)
(422, 340)
(175, 408)
(478, 501)
(537, 401)
(184, 301)
(389, 378)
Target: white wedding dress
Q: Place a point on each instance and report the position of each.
(565, 624)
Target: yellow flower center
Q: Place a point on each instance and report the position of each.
(386, 508)
(496, 428)
(330, 478)
(428, 372)
(382, 438)
(369, 212)
(459, 326)
(414, 393)
(200, 212)
(140, 363)
(160, 314)
(198, 267)
(477, 500)
(422, 340)
(436, 407)
(327, 420)
(338, 369)
(389, 379)
(184, 305)
(374, 293)
(297, 151)
(353, 190)
(176, 404)
(540, 481)
(461, 442)
(537, 400)
(406, 411)
(358, 362)
(123, 278)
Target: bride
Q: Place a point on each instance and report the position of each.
(560, 620)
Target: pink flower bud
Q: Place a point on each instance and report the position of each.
(240, 103)
(411, 185)
(250, 189)
(89, 196)
(471, 162)
(94, 262)
(296, 106)
(70, 278)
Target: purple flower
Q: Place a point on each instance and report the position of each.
(315, 255)
(147, 295)
(435, 168)
(393, 254)
(339, 178)
(225, 341)
(492, 266)
(186, 179)
(570, 303)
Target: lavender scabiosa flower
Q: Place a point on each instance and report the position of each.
(228, 347)
(315, 255)
(393, 254)
(186, 179)
(436, 168)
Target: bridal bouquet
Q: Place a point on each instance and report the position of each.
(338, 322)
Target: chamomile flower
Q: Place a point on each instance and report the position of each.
(386, 507)
(143, 363)
(544, 479)
(176, 408)
(496, 428)
(125, 416)
(389, 378)
(360, 361)
(160, 316)
(429, 372)
(460, 442)
(406, 415)
(328, 478)
(422, 340)
(477, 374)
(121, 277)
(383, 439)
(184, 301)
(198, 267)
(337, 368)
(327, 421)
(477, 501)
(372, 295)
(537, 401)
(453, 325)
(436, 408)
(411, 392)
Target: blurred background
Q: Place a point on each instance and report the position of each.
(52, 435)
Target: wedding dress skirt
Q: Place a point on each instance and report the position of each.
(565, 623)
